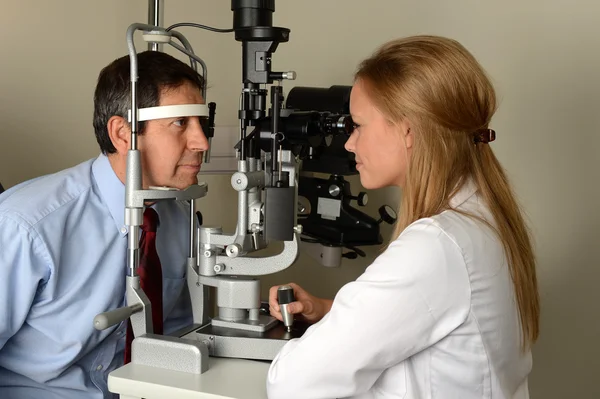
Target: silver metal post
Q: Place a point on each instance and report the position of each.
(192, 226)
(134, 115)
(156, 18)
(242, 225)
(133, 181)
(133, 251)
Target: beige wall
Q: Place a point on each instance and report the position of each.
(544, 57)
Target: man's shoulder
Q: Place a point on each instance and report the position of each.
(33, 200)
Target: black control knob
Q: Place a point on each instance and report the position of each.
(362, 198)
(387, 214)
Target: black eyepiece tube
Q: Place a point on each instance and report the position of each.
(248, 13)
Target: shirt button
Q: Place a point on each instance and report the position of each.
(123, 230)
(99, 367)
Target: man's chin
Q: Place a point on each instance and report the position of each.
(184, 183)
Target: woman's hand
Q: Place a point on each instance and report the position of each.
(310, 308)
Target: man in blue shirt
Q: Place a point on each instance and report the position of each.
(63, 239)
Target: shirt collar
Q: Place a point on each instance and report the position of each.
(468, 189)
(112, 191)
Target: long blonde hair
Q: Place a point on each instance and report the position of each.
(444, 93)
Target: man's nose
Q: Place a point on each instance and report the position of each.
(197, 140)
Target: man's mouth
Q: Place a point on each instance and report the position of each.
(191, 166)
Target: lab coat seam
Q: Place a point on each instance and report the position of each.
(485, 374)
(430, 373)
(462, 255)
(466, 270)
(450, 237)
(434, 223)
(470, 312)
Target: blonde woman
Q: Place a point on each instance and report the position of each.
(451, 308)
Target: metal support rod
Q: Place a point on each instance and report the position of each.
(189, 48)
(133, 181)
(155, 17)
(242, 225)
(134, 115)
(192, 227)
(244, 101)
(276, 107)
(133, 70)
(193, 56)
(133, 252)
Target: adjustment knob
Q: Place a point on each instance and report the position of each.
(334, 190)
(362, 198)
(285, 296)
(233, 250)
(291, 75)
(387, 214)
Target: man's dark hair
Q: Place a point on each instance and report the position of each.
(157, 71)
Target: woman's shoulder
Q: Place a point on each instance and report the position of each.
(466, 230)
(454, 227)
(427, 241)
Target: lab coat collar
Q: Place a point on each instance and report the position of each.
(463, 194)
(112, 191)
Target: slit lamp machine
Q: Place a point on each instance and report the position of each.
(282, 144)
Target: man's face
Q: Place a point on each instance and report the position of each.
(172, 148)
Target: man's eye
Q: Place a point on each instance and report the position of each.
(179, 122)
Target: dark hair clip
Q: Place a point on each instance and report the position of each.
(484, 136)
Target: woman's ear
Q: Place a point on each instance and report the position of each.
(408, 133)
(119, 133)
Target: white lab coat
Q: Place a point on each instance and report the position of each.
(434, 316)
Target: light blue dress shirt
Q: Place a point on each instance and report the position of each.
(63, 245)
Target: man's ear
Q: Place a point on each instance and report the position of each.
(119, 133)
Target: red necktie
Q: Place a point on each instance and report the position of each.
(150, 273)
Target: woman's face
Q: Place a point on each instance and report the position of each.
(380, 147)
